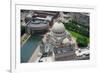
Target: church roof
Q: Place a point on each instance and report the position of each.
(58, 27)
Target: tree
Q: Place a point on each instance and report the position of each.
(82, 41)
(22, 30)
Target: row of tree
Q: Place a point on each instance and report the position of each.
(80, 29)
(76, 27)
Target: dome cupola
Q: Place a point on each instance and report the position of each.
(58, 28)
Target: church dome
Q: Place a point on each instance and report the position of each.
(58, 28)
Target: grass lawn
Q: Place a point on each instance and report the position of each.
(76, 35)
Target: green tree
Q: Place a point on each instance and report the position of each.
(82, 41)
(22, 30)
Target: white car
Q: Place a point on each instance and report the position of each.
(82, 52)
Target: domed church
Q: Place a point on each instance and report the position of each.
(58, 43)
